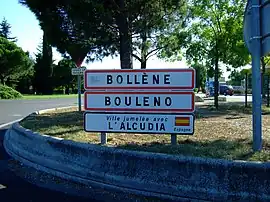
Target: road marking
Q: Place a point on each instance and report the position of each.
(16, 115)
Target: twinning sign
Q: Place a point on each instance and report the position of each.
(139, 101)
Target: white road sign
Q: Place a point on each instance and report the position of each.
(139, 123)
(78, 71)
(170, 79)
(139, 101)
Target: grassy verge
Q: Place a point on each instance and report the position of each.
(32, 97)
(225, 134)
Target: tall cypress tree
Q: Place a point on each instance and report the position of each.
(43, 81)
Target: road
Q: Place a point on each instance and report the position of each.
(234, 98)
(16, 109)
(13, 188)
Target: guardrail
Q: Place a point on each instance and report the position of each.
(143, 174)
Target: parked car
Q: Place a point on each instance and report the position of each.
(226, 90)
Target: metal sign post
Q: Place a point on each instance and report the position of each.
(79, 93)
(257, 39)
(79, 72)
(256, 76)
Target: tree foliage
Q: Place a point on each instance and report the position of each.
(102, 28)
(157, 21)
(5, 30)
(14, 62)
(62, 74)
(216, 36)
(200, 75)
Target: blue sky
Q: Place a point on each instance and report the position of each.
(26, 28)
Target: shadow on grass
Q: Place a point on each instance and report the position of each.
(64, 120)
(232, 109)
(59, 134)
(240, 149)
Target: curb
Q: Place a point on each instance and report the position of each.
(115, 175)
(43, 111)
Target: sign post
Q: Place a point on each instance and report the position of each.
(159, 101)
(257, 39)
(79, 72)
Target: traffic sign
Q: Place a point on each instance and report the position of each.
(142, 79)
(265, 27)
(139, 123)
(167, 102)
(78, 71)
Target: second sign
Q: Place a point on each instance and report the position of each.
(140, 101)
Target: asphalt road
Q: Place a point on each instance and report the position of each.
(11, 110)
(14, 189)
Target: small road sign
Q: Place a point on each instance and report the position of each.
(142, 101)
(265, 26)
(142, 79)
(139, 123)
(78, 71)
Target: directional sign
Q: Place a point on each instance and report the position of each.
(78, 71)
(265, 26)
(139, 123)
(139, 101)
(150, 79)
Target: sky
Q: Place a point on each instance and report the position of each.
(26, 28)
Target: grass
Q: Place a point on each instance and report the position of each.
(225, 134)
(32, 97)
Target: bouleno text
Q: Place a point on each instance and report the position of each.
(154, 101)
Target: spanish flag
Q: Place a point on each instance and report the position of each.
(182, 121)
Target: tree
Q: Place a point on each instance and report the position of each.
(200, 74)
(14, 62)
(62, 74)
(157, 21)
(74, 28)
(216, 36)
(98, 27)
(43, 76)
(5, 30)
(220, 23)
(236, 77)
(265, 61)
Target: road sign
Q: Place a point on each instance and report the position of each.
(169, 102)
(142, 79)
(139, 123)
(265, 27)
(78, 71)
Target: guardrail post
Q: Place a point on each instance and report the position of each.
(103, 138)
(173, 139)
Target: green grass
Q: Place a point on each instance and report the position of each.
(217, 135)
(32, 97)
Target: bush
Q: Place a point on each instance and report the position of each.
(9, 93)
(196, 90)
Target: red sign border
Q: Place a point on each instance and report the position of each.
(86, 87)
(139, 110)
